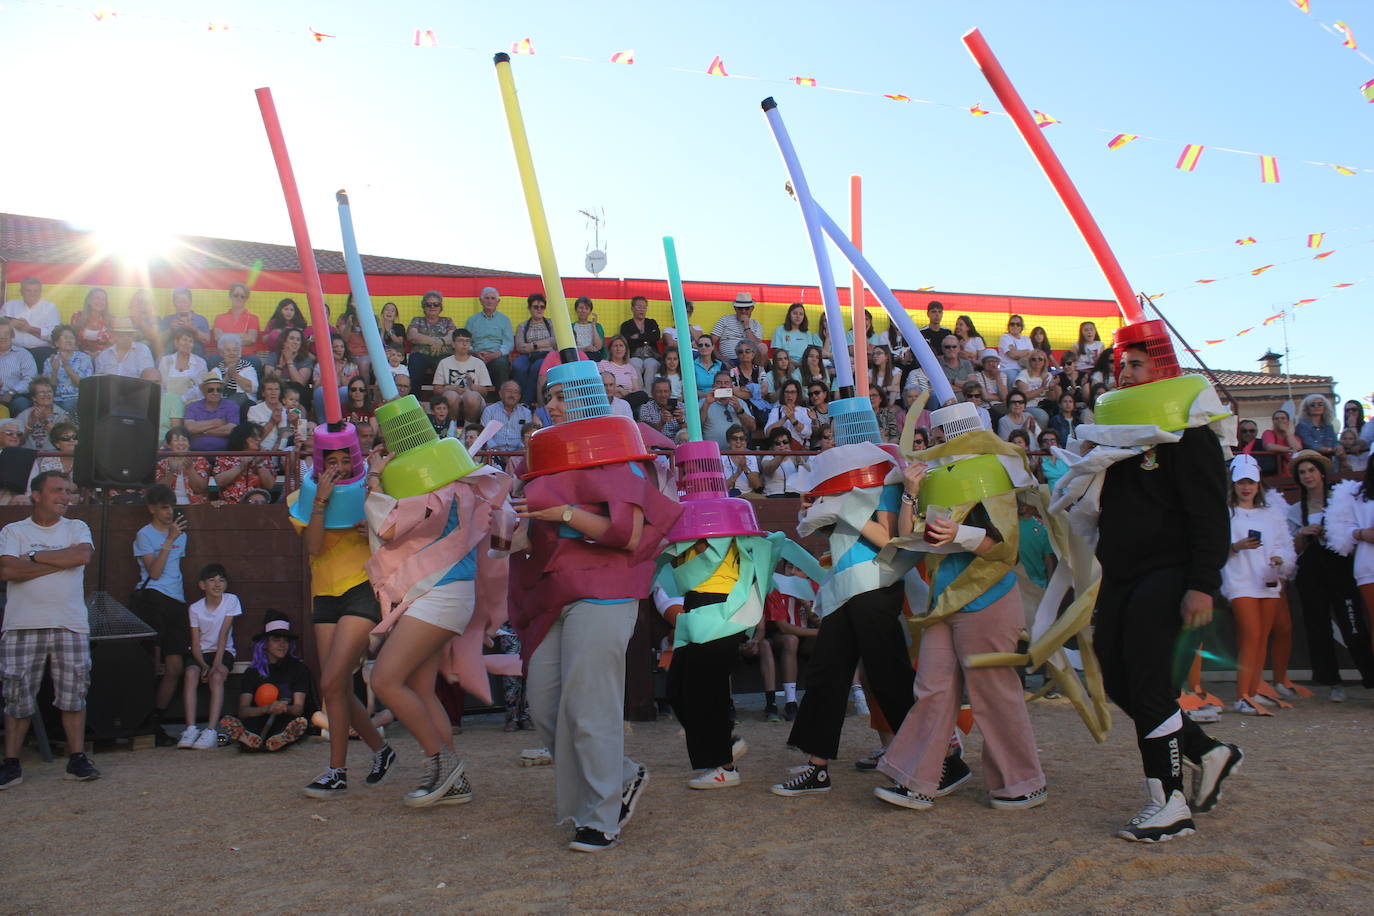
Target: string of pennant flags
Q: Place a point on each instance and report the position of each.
(1188, 159)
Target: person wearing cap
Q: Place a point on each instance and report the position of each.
(211, 419)
(729, 330)
(128, 357)
(1157, 502)
(1261, 557)
(263, 723)
(1326, 581)
(992, 378)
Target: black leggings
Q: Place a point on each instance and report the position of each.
(867, 627)
(699, 690)
(1326, 587)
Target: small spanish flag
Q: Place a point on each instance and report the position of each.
(1206, 281)
(318, 36)
(1302, 5)
(1269, 170)
(1272, 318)
(978, 110)
(1248, 240)
(424, 38)
(1213, 343)
(1121, 140)
(1302, 302)
(1259, 270)
(1342, 170)
(217, 26)
(803, 81)
(1324, 254)
(1246, 331)
(1314, 240)
(1043, 120)
(897, 97)
(924, 289)
(1367, 89)
(1341, 285)
(1187, 160)
(717, 68)
(1349, 36)
(523, 46)
(102, 15)
(623, 57)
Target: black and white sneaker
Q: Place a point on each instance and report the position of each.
(382, 762)
(1218, 763)
(80, 768)
(332, 783)
(1029, 800)
(903, 797)
(589, 839)
(11, 773)
(460, 793)
(789, 711)
(629, 795)
(1161, 819)
(442, 770)
(812, 780)
(954, 775)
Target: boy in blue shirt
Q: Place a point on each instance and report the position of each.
(160, 601)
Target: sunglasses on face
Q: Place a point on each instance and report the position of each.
(950, 346)
(703, 345)
(432, 305)
(65, 439)
(537, 308)
(1015, 324)
(213, 389)
(817, 394)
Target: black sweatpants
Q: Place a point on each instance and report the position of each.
(1326, 587)
(1140, 641)
(699, 691)
(867, 627)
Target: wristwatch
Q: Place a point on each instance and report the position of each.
(33, 556)
(567, 515)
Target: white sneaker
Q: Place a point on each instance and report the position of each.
(188, 738)
(1288, 693)
(718, 778)
(1263, 700)
(1245, 709)
(1161, 819)
(536, 757)
(1338, 694)
(207, 741)
(856, 694)
(1205, 714)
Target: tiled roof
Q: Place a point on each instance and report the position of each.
(33, 238)
(1234, 378)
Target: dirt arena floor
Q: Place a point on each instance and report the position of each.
(176, 831)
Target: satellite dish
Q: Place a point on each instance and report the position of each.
(596, 261)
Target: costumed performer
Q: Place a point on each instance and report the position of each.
(975, 607)
(1326, 581)
(428, 600)
(1350, 530)
(1261, 557)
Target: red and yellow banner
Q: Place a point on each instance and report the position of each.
(1187, 160)
(1269, 170)
(1121, 140)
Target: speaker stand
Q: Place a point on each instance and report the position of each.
(104, 540)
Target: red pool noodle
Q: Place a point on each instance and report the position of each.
(1054, 170)
(314, 292)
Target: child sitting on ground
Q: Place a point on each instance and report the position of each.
(210, 657)
(270, 723)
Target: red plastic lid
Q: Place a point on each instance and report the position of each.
(861, 479)
(586, 443)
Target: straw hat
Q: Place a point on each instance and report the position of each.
(1308, 454)
(744, 301)
(122, 323)
(211, 376)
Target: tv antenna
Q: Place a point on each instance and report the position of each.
(596, 252)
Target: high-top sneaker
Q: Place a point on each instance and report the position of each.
(1163, 817)
(1213, 768)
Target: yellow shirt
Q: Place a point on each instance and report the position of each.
(339, 564)
(726, 575)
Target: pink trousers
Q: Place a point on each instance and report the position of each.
(1011, 767)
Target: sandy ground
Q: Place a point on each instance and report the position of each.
(172, 831)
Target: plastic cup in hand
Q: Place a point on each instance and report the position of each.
(932, 513)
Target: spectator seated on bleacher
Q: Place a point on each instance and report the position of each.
(273, 692)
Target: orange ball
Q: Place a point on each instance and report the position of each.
(266, 695)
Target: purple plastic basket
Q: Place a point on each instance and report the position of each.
(715, 518)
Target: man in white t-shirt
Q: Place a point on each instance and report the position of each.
(43, 558)
(463, 379)
(32, 317)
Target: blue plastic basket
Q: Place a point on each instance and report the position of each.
(584, 394)
(854, 421)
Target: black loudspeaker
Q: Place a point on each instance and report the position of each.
(122, 693)
(119, 419)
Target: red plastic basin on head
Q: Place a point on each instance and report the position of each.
(715, 518)
(584, 444)
(861, 479)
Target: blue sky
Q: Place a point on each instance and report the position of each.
(149, 118)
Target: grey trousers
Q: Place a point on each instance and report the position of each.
(576, 692)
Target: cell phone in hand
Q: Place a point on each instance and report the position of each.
(1256, 536)
(672, 404)
(723, 393)
(179, 515)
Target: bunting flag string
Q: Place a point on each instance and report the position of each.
(1314, 240)
(421, 37)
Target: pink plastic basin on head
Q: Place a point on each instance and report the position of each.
(715, 518)
(327, 440)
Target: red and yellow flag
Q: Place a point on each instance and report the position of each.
(318, 36)
(424, 38)
(1213, 343)
(1349, 36)
(1248, 240)
(1259, 270)
(924, 289)
(1043, 120)
(1341, 285)
(978, 110)
(1342, 170)
(1302, 5)
(1272, 318)
(1121, 140)
(1314, 239)
(216, 25)
(1324, 254)
(804, 80)
(896, 97)
(1187, 160)
(1302, 302)
(1206, 281)
(102, 15)
(1269, 170)
(623, 57)
(523, 46)
(1367, 89)
(717, 68)
(1246, 331)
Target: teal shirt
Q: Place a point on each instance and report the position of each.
(494, 333)
(862, 551)
(1035, 544)
(950, 568)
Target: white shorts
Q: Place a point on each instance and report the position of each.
(448, 606)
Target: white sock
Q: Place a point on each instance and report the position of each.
(790, 691)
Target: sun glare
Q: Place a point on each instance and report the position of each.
(134, 243)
